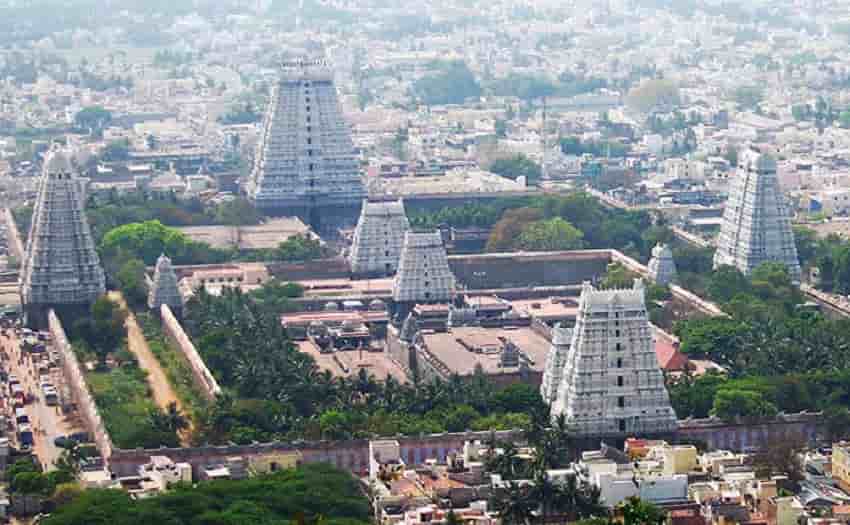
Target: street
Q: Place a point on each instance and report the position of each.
(47, 422)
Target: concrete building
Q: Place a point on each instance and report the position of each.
(757, 220)
(423, 273)
(662, 267)
(61, 267)
(378, 238)
(165, 289)
(611, 384)
(305, 163)
(841, 465)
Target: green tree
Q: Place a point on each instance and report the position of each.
(517, 166)
(732, 404)
(550, 235)
(148, 240)
(117, 150)
(93, 118)
(300, 248)
(452, 84)
(131, 281)
(103, 331)
(638, 512)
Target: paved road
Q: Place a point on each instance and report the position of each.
(47, 422)
(163, 393)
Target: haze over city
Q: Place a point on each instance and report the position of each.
(444, 262)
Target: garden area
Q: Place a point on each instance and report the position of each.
(117, 383)
(563, 222)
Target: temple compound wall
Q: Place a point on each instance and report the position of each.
(202, 377)
(76, 380)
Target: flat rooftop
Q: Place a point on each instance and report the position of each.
(549, 310)
(263, 236)
(349, 363)
(451, 348)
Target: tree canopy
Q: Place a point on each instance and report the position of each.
(452, 84)
(148, 240)
(311, 492)
(517, 166)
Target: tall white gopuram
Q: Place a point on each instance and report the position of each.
(61, 267)
(555, 361)
(757, 220)
(305, 163)
(378, 238)
(662, 268)
(611, 384)
(423, 274)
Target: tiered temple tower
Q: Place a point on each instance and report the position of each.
(423, 273)
(378, 238)
(757, 220)
(165, 288)
(662, 268)
(611, 384)
(61, 268)
(305, 163)
(555, 361)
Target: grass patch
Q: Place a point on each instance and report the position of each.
(172, 361)
(125, 402)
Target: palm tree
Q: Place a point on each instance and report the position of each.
(516, 508)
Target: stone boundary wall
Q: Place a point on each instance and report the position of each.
(747, 436)
(704, 306)
(204, 380)
(351, 455)
(76, 379)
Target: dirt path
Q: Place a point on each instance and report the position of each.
(163, 394)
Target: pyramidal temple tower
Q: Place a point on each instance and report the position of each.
(61, 267)
(757, 221)
(555, 361)
(662, 268)
(423, 273)
(378, 238)
(305, 163)
(165, 288)
(611, 384)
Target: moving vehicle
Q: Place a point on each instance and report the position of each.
(25, 435)
(21, 416)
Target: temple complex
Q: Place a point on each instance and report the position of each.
(423, 273)
(662, 268)
(611, 384)
(165, 288)
(378, 238)
(757, 221)
(61, 267)
(305, 163)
